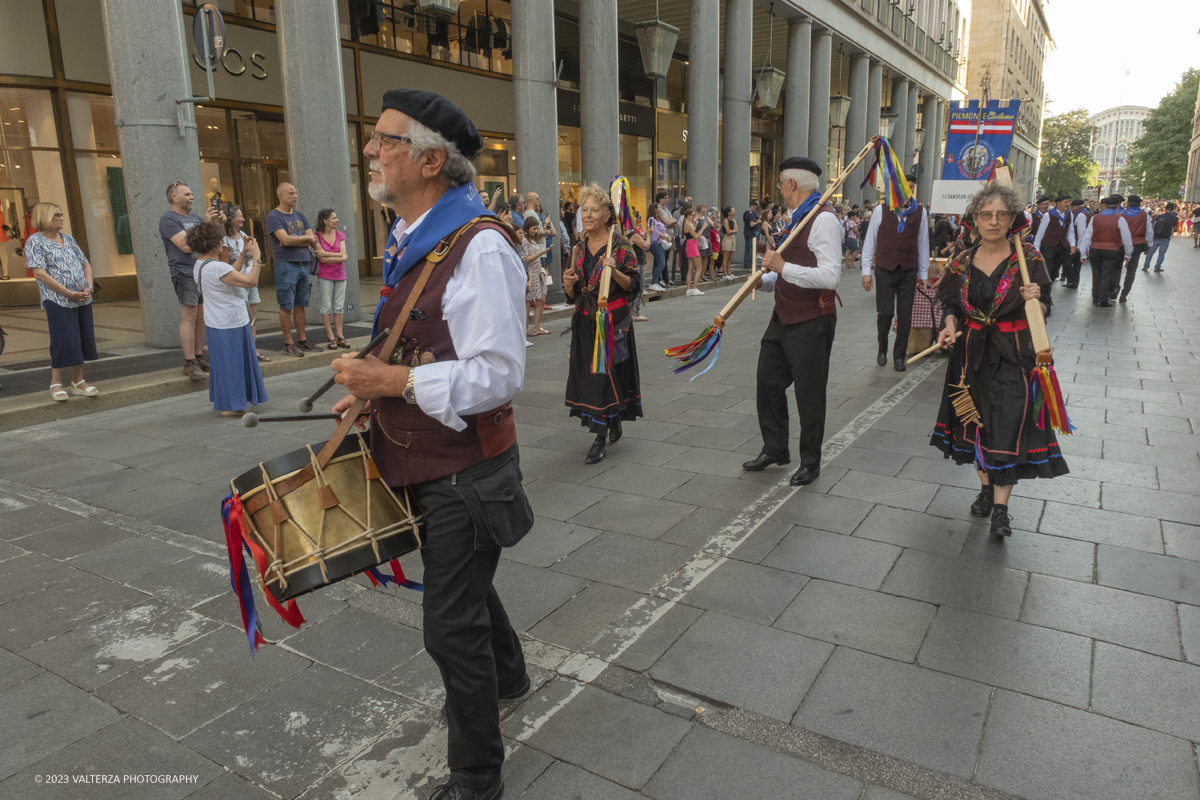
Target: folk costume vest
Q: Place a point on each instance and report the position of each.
(795, 304)
(1105, 233)
(1056, 234)
(408, 445)
(895, 249)
(1137, 227)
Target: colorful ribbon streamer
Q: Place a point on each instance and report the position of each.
(379, 578)
(602, 347)
(696, 351)
(897, 193)
(1048, 400)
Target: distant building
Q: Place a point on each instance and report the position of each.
(1009, 40)
(1116, 130)
(1191, 192)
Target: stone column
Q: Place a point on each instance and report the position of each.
(910, 133)
(599, 112)
(856, 126)
(703, 101)
(874, 110)
(931, 149)
(899, 107)
(735, 134)
(795, 101)
(314, 110)
(818, 103)
(536, 107)
(144, 40)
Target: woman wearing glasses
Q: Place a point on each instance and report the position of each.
(991, 423)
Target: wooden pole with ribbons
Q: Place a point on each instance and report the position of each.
(602, 349)
(1033, 308)
(709, 342)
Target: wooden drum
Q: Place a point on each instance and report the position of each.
(319, 526)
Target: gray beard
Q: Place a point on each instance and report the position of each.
(379, 192)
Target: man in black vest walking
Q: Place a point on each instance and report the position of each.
(1055, 237)
(897, 245)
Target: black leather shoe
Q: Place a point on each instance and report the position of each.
(762, 461)
(614, 431)
(1123, 299)
(1105, 304)
(453, 791)
(805, 475)
(881, 359)
(1071, 286)
(596, 454)
(982, 507)
(900, 365)
(1000, 521)
(519, 690)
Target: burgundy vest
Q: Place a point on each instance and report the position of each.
(795, 304)
(1137, 228)
(408, 445)
(1057, 232)
(893, 249)
(1105, 233)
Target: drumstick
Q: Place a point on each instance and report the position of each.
(306, 405)
(926, 352)
(251, 420)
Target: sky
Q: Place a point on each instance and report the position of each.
(1098, 39)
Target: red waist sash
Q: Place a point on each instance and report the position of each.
(1004, 326)
(613, 306)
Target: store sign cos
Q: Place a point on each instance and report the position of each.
(235, 63)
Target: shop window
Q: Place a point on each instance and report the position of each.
(26, 119)
(93, 123)
(480, 36)
(105, 214)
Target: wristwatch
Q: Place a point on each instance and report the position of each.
(409, 393)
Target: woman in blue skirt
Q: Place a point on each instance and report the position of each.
(235, 380)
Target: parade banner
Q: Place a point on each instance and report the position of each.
(973, 143)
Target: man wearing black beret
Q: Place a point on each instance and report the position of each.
(1105, 241)
(1054, 237)
(1080, 216)
(896, 247)
(1141, 233)
(440, 412)
(795, 348)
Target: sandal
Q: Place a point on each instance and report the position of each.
(241, 413)
(262, 359)
(343, 344)
(333, 345)
(60, 396)
(82, 388)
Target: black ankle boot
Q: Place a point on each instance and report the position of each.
(1000, 521)
(614, 430)
(596, 454)
(982, 506)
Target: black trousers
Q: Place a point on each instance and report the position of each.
(467, 632)
(1071, 270)
(1106, 266)
(794, 354)
(1058, 259)
(894, 291)
(1130, 269)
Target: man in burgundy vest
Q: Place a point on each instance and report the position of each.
(896, 248)
(1054, 238)
(440, 412)
(1141, 233)
(795, 348)
(1079, 221)
(1106, 242)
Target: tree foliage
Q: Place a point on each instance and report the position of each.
(1162, 151)
(1067, 164)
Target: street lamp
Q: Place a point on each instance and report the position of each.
(920, 139)
(839, 109)
(887, 125)
(769, 80)
(657, 42)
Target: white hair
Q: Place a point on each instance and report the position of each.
(457, 170)
(807, 181)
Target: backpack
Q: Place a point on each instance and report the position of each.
(1162, 226)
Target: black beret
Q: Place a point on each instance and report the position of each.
(800, 162)
(1062, 197)
(1113, 200)
(1134, 200)
(439, 114)
(1076, 203)
(1041, 200)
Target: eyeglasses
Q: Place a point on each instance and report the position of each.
(999, 216)
(378, 136)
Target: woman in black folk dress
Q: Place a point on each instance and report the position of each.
(987, 417)
(602, 401)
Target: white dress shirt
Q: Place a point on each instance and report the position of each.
(484, 307)
(1079, 226)
(825, 240)
(1149, 229)
(1122, 226)
(870, 242)
(1044, 225)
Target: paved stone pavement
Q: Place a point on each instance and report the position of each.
(695, 631)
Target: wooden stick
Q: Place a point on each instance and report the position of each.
(752, 282)
(606, 275)
(753, 263)
(929, 350)
(1033, 308)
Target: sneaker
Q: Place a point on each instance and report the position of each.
(654, 287)
(698, 292)
(290, 349)
(528, 343)
(192, 370)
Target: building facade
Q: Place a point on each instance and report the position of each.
(1191, 190)
(1010, 40)
(1115, 130)
(558, 90)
